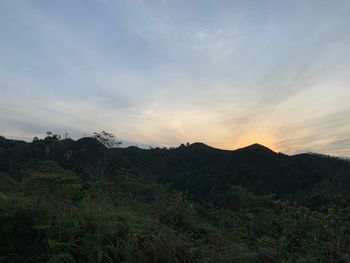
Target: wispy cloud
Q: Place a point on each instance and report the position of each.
(227, 73)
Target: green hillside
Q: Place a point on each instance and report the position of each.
(79, 201)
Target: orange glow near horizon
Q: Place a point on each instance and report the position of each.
(253, 138)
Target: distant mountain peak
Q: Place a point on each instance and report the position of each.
(256, 147)
(202, 146)
(199, 144)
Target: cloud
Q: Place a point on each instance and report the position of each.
(163, 73)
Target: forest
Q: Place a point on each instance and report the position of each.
(89, 200)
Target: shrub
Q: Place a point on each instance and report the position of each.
(48, 180)
(177, 212)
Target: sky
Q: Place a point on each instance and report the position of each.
(162, 73)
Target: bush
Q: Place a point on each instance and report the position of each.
(48, 180)
(3, 200)
(164, 246)
(20, 241)
(177, 212)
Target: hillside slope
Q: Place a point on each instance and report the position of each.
(204, 171)
(77, 201)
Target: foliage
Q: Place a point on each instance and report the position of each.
(48, 180)
(107, 139)
(3, 200)
(53, 213)
(104, 159)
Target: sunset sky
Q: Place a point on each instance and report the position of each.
(161, 73)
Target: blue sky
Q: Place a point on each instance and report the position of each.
(227, 73)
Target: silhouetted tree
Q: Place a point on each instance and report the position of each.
(66, 136)
(109, 140)
(52, 136)
(104, 162)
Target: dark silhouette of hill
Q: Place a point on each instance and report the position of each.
(77, 201)
(204, 171)
(256, 148)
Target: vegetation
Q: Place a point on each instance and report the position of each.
(90, 201)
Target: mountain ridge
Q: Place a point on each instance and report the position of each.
(193, 200)
(197, 167)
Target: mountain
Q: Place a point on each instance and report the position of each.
(204, 171)
(78, 201)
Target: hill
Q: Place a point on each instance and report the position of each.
(198, 168)
(204, 170)
(78, 201)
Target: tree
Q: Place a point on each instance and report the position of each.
(53, 137)
(104, 160)
(66, 136)
(107, 139)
